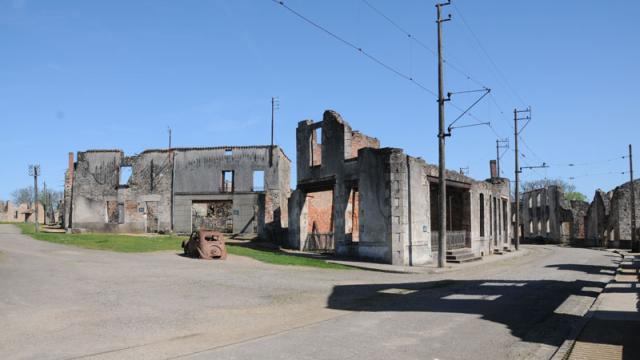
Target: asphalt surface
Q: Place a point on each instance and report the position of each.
(60, 302)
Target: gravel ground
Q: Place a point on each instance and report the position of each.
(59, 302)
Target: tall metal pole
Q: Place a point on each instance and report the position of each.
(273, 115)
(169, 138)
(517, 185)
(635, 246)
(442, 182)
(46, 203)
(498, 157)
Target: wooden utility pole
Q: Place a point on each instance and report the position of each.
(442, 182)
(34, 170)
(635, 246)
(46, 203)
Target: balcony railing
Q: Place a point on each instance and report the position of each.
(323, 242)
(456, 239)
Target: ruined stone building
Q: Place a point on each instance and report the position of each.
(379, 204)
(597, 217)
(545, 216)
(10, 212)
(609, 219)
(234, 189)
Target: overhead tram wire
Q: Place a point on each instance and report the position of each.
(433, 52)
(355, 47)
(598, 174)
(422, 44)
(373, 58)
(452, 66)
(596, 162)
(486, 53)
(501, 75)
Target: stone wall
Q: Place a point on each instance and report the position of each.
(165, 184)
(618, 229)
(395, 208)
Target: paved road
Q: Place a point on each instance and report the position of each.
(59, 302)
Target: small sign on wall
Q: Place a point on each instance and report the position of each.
(141, 210)
(236, 212)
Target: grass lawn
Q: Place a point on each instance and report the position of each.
(113, 242)
(279, 258)
(130, 243)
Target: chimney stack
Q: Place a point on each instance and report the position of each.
(71, 162)
(493, 168)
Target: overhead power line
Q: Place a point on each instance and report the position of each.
(599, 174)
(575, 164)
(413, 38)
(486, 54)
(374, 58)
(355, 47)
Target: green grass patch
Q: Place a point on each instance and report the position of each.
(112, 242)
(278, 258)
(131, 243)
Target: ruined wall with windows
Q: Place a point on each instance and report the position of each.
(618, 226)
(545, 216)
(235, 189)
(359, 200)
(103, 198)
(229, 189)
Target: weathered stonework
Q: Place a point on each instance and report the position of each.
(169, 189)
(9, 212)
(618, 226)
(545, 216)
(394, 195)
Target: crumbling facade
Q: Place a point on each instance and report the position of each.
(545, 216)
(10, 212)
(597, 218)
(240, 189)
(618, 225)
(379, 204)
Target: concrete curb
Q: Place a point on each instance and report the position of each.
(417, 270)
(564, 351)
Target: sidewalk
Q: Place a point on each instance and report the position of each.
(430, 268)
(612, 330)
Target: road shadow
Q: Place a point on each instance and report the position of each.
(539, 311)
(587, 269)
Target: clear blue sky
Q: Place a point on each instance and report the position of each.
(77, 75)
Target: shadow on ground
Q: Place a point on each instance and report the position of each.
(588, 269)
(539, 311)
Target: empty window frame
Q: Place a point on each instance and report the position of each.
(125, 175)
(228, 153)
(315, 147)
(258, 180)
(227, 184)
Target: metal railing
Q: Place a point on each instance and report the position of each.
(323, 242)
(455, 240)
